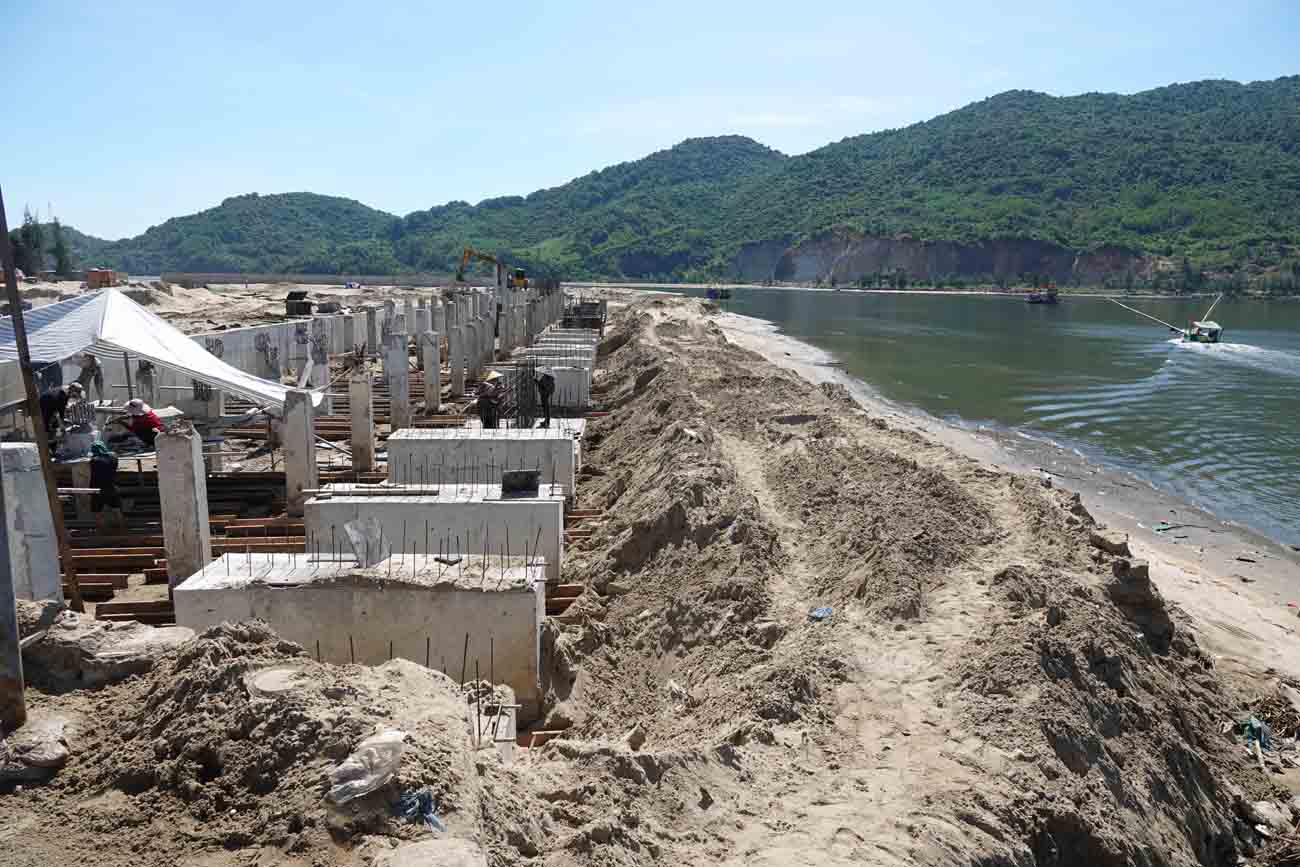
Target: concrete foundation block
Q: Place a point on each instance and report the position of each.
(469, 519)
(411, 607)
(33, 549)
(464, 455)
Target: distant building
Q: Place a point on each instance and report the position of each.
(100, 278)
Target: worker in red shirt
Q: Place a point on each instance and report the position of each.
(141, 421)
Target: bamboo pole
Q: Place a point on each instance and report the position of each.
(1212, 306)
(34, 411)
(1152, 318)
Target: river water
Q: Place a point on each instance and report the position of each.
(1217, 425)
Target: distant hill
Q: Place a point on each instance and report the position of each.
(300, 232)
(1081, 187)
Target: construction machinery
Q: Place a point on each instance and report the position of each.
(515, 278)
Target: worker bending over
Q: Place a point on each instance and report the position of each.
(141, 421)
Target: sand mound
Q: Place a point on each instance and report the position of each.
(225, 755)
(987, 688)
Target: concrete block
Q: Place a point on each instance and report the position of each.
(33, 550)
(299, 449)
(469, 518)
(405, 606)
(362, 411)
(183, 493)
(466, 455)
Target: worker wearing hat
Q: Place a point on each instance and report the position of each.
(142, 421)
(489, 401)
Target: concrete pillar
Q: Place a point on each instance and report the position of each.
(81, 479)
(299, 449)
(472, 344)
(320, 362)
(408, 312)
(456, 351)
(362, 409)
(372, 331)
(386, 325)
(183, 494)
(33, 550)
(429, 343)
(349, 326)
(13, 704)
(397, 372)
(421, 330)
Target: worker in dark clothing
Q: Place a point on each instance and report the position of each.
(489, 401)
(103, 475)
(106, 503)
(54, 407)
(546, 388)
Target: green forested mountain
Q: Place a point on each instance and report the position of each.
(1208, 171)
(300, 232)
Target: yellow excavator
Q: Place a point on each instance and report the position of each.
(515, 278)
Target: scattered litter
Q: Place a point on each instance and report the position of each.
(418, 807)
(372, 764)
(1255, 730)
(821, 613)
(1165, 527)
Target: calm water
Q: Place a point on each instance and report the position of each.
(1217, 425)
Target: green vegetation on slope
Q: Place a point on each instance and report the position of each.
(1208, 171)
(289, 232)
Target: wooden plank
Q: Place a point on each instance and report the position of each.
(537, 738)
(150, 618)
(145, 605)
(117, 580)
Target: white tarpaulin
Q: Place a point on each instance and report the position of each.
(107, 323)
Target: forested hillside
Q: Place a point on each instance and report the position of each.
(1208, 171)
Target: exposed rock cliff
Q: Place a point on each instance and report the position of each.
(847, 256)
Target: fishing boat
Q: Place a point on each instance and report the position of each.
(1203, 330)
(1044, 296)
(718, 293)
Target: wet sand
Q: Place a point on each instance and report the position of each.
(1241, 588)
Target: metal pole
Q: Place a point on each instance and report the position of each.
(13, 706)
(34, 411)
(126, 363)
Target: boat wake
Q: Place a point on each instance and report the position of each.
(1271, 360)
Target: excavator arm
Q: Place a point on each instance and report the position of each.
(470, 255)
(515, 277)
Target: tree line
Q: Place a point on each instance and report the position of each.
(35, 252)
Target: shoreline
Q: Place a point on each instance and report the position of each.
(1246, 611)
(1016, 294)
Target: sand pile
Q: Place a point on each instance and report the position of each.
(228, 743)
(988, 687)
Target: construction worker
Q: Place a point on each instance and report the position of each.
(91, 372)
(141, 421)
(546, 388)
(106, 503)
(489, 401)
(54, 407)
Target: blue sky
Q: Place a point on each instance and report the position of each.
(123, 114)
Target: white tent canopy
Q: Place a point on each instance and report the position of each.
(108, 323)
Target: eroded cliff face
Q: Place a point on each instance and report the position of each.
(846, 257)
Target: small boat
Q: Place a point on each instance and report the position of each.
(1045, 296)
(718, 293)
(1203, 330)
